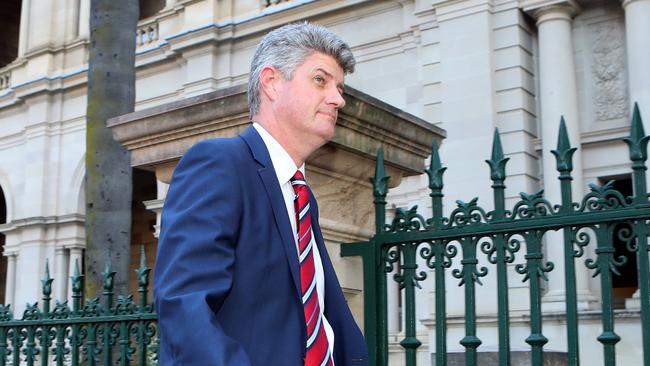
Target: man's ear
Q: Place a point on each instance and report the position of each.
(269, 81)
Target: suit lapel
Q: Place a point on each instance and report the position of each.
(274, 194)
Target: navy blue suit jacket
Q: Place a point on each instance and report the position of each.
(226, 282)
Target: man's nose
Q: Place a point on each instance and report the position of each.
(336, 99)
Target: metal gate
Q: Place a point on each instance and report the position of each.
(105, 332)
(470, 231)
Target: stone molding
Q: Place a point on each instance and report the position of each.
(523, 318)
(72, 238)
(160, 135)
(41, 220)
(451, 9)
(155, 206)
(545, 10)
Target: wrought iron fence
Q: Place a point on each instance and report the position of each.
(470, 231)
(102, 332)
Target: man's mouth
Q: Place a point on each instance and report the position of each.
(331, 115)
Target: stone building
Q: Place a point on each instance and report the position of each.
(463, 66)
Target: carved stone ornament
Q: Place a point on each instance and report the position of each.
(608, 69)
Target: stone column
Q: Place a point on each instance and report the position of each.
(72, 20)
(558, 97)
(163, 178)
(637, 35)
(24, 28)
(84, 19)
(60, 274)
(11, 279)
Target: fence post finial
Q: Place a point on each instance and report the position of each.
(108, 274)
(143, 278)
(380, 189)
(47, 280)
(564, 152)
(435, 173)
(47, 288)
(77, 286)
(638, 146)
(380, 181)
(498, 160)
(435, 170)
(638, 141)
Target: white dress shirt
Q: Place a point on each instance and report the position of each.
(285, 168)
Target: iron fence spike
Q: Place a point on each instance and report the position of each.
(564, 152)
(497, 149)
(497, 161)
(143, 258)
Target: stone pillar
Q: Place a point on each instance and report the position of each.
(558, 97)
(637, 35)
(163, 178)
(23, 37)
(72, 20)
(60, 274)
(84, 19)
(10, 289)
(157, 206)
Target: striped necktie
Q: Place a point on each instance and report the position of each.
(318, 350)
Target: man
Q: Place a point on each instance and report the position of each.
(242, 275)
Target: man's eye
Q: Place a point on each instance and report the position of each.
(319, 79)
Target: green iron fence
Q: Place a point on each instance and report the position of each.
(470, 231)
(103, 332)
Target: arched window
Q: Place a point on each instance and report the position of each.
(149, 8)
(10, 15)
(3, 259)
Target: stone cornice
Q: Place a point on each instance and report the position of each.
(160, 135)
(543, 10)
(41, 221)
(450, 9)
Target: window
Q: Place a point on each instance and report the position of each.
(10, 15)
(149, 8)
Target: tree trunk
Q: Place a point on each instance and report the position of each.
(111, 92)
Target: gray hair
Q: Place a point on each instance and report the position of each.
(287, 47)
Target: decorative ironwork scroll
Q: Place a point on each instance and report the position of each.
(90, 334)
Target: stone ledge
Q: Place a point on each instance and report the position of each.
(517, 358)
(162, 134)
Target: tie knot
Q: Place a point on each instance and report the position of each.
(298, 179)
(299, 184)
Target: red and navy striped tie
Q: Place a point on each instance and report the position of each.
(318, 350)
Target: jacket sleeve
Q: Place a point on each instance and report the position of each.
(195, 260)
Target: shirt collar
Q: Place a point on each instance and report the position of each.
(283, 164)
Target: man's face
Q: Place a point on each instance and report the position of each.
(308, 104)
